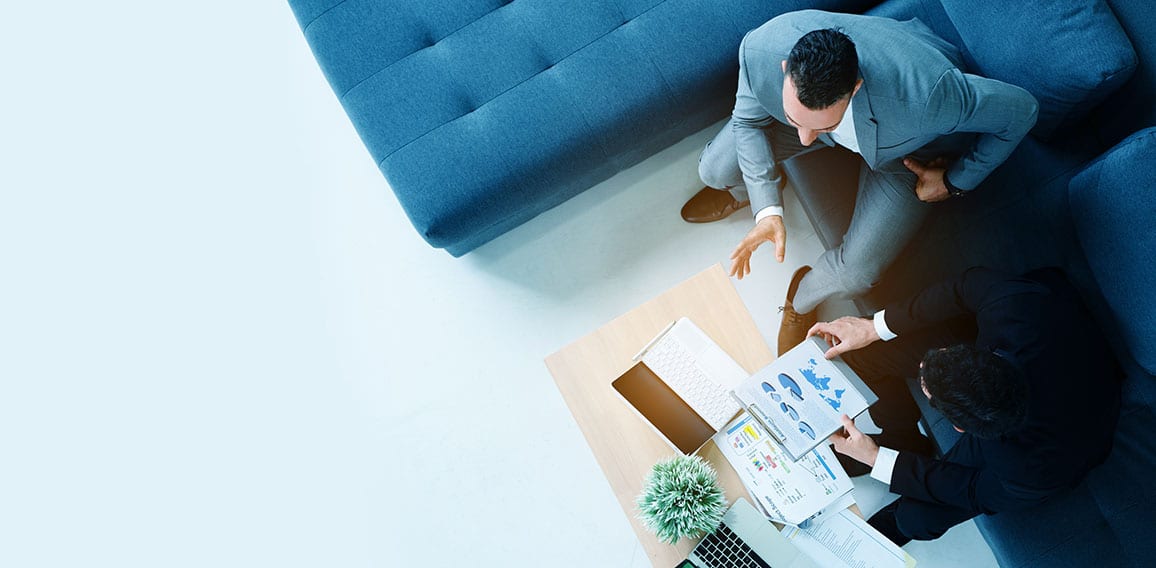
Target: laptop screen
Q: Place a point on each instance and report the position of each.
(663, 408)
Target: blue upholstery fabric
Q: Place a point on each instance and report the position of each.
(1131, 107)
(1070, 54)
(1116, 198)
(484, 113)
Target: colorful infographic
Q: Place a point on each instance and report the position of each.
(791, 490)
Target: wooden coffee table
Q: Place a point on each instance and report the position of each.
(623, 444)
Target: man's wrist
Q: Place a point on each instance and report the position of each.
(884, 465)
(881, 329)
(768, 211)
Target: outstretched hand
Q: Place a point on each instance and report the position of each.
(845, 334)
(929, 187)
(855, 444)
(769, 229)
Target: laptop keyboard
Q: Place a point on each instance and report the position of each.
(675, 365)
(724, 549)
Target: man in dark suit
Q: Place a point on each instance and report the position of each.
(1016, 363)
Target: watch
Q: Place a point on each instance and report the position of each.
(951, 189)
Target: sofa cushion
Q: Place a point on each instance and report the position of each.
(1113, 204)
(1069, 54)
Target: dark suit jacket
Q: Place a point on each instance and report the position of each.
(1039, 323)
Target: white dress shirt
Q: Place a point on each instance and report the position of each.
(844, 133)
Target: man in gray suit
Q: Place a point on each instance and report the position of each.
(889, 91)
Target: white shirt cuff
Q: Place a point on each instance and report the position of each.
(767, 212)
(884, 464)
(881, 328)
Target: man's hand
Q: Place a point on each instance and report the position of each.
(845, 334)
(769, 229)
(929, 187)
(855, 444)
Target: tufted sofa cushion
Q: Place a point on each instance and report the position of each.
(484, 113)
(1114, 206)
(1069, 54)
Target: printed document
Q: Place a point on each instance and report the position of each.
(788, 490)
(801, 396)
(845, 539)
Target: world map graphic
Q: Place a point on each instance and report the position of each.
(823, 385)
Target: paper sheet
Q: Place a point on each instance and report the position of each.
(801, 397)
(789, 491)
(845, 539)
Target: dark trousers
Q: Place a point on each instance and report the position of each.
(884, 366)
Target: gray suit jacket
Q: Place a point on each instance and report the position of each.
(913, 100)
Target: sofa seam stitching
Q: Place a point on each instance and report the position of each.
(305, 28)
(412, 53)
(510, 88)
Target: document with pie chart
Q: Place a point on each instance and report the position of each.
(801, 396)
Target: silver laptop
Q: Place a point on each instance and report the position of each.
(681, 384)
(746, 539)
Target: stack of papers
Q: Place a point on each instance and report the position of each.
(789, 491)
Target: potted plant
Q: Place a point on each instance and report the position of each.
(681, 498)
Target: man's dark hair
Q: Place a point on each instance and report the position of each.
(824, 66)
(977, 390)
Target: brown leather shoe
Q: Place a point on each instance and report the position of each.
(711, 204)
(795, 326)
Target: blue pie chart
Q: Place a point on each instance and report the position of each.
(767, 388)
(789, 411)
(790, 384)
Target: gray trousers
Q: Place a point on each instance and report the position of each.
(887, 214)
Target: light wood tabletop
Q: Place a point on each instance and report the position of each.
(625, 446)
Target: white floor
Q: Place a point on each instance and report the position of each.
(224, 344)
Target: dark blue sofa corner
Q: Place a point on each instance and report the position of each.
(483, 114)
(1079, 193)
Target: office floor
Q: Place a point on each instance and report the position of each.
(227, 346)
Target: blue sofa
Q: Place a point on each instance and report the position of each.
(483, 114)
(1079, 193)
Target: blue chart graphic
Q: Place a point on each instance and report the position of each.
(791, 386)
(822, 384)
(767, 388)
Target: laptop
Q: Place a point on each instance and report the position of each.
(680, 384)
(746, 539)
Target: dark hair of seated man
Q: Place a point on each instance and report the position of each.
(824, 67)
(978, 391)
